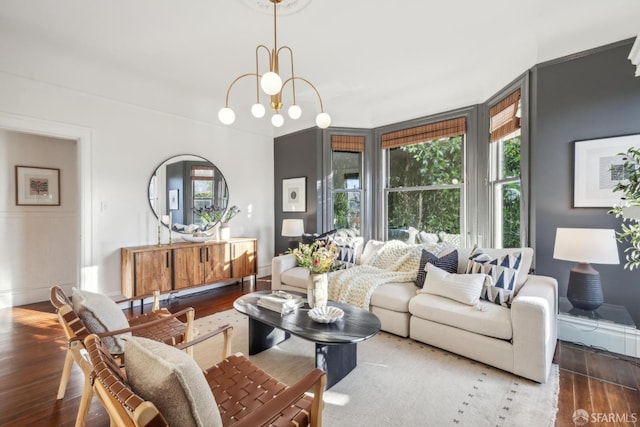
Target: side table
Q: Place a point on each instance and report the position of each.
(609, 327)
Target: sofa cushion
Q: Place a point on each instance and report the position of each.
(394, 296)
(492, 321)
(101, 314)
(503, 271)
(448, 262)
(173, 381)
(296, 276)
(464, 288)
(349, 250)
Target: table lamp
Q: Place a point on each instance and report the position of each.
(586, 246)
(292, 228)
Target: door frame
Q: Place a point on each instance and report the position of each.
(84, 139)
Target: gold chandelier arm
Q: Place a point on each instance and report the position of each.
(234, 82)
(291, 79)
(293, 75)
(258, 71)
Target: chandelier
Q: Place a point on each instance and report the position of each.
(273, 85)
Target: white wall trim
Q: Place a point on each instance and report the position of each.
(616, 338)
(84, 138)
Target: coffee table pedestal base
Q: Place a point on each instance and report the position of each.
(337, 360)
(263, 337)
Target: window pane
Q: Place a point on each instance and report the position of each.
(346, 210)
(431, 211)
(202, 197)
(346, 170)
(510, 158)
(428, 163)
(508, 211)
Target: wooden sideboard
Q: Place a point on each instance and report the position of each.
(178, 266)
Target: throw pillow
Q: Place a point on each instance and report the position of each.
(348, 250)
(447, 262)
(370, 250)
(502, 270)
(100, 314)
(173, 381)
(464, 288)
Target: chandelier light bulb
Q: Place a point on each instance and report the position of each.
(323, 120)
(295, 111)
(271, 83)
(277, 120)
(258, 110)
(226, 115)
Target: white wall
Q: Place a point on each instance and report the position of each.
(127, 143)
(39, 243)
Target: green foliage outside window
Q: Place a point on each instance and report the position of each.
(511, 194)
(433, 163)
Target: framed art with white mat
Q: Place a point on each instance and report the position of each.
(294, 194)
(37, 186)
(598, 168)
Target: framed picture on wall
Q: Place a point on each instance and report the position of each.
(598, 168)
(174, 205)
(36, 186)
(294, 198)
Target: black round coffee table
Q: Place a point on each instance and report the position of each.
(336, 343)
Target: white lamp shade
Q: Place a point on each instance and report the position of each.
(323, 120)
(292, 227)
(277, 120)
(271, 83)
(258, 110)
(586, 245)
(226, 115)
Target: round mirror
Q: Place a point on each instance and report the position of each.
(182, 184)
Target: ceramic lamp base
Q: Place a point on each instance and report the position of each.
(584, 290)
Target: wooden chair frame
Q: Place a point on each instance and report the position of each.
(284, 406)
(150, 325)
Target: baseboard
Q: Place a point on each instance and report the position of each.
(612, 337)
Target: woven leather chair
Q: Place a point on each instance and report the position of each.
(246, 396)
(159, 325)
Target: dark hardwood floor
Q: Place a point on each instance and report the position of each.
(33, 348)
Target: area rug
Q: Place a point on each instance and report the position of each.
(401, 382)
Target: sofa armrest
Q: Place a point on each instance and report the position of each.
(534, 321)
(279, 265)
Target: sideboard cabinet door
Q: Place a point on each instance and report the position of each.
(217, 262)
(188, 267)
(152, 270)
(244, 259)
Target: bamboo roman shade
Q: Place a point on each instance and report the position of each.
(503, 117)
(424, 133)
(350, 143)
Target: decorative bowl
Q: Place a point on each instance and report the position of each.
(198, 238)
(326, 314)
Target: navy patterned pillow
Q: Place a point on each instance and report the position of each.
(447, 262)
(503, 272)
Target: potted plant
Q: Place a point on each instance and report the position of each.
(319, 258)
(629, 209)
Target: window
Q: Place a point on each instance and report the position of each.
(202, 189)
(425, 193)
(346, 171)
(504, 172)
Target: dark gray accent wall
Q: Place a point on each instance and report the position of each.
(593, 95)
(298, 155)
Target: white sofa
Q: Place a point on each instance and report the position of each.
(520, 339)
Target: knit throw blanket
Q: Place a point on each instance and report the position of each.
(395, 262)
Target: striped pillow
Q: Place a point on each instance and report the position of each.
(447, 262)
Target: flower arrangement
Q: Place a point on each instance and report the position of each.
(210, 215)
(230, 214)
(318, 257)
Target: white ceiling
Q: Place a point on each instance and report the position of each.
(373, 62)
